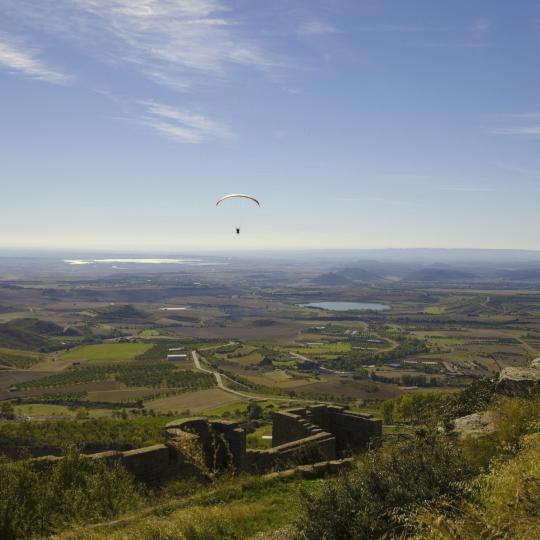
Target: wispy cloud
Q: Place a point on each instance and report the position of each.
(169, 41)
(316, 27)
(518, 169)
(481, 30)
(518, 124)
(15, 59)
(394, 28)
(372, 200)
(517, 130)
(181, 125)
(466, 188)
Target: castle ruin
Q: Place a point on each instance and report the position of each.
(300, 436)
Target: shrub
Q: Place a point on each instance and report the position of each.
(514, 418)
(503, 503)
(37, 501)
(366, 502)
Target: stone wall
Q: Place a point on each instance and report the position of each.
(301, 436)
(222, 442)
(152, 465)
(315, 448)
(352, 431)
(291, 425)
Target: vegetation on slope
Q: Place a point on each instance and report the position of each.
(98, 432)
(36, 502)
(434, 487)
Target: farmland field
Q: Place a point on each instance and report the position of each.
(106, 353)
(194, 402)
(101, 340)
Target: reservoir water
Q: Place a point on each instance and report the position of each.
(347, 306)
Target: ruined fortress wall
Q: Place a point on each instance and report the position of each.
(151, 465)
(223, 442)
(312, 434)
(319, 447)
(352, 431)
(290, 425)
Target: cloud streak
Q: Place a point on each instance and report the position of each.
(466, 189)
(521, 124)
(182, 125)
(26, 63)
(315, 27)
(169, 41)
(517, 130)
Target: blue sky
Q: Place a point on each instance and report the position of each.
(358, 123)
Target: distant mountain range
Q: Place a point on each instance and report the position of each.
(438, 274)
(532, 274)
(331, 278)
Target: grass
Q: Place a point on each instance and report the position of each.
(149, 332)
(18, 359)
(435, 310)
(322, 349)
(106, 352)
(255, 439)
(238, 508)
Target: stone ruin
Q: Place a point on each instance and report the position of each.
(195, 446)
(299, 436)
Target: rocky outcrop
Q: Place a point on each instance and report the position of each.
(520, 381)
(475, 425)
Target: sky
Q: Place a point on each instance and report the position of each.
(357, 124)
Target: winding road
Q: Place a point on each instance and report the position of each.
(219, 382)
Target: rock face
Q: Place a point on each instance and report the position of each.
(475, 425)
(520, 381)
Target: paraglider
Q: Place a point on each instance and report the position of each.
(238, 196)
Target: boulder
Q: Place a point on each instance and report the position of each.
(520, 381)
(536, 363)
(475, 425)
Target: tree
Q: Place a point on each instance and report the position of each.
(7, 410)
(254, 412)
(387, 409)
(82, 413)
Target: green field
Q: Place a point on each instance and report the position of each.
(41, 409)
(323, 348)
(106, 353)
(435, 310)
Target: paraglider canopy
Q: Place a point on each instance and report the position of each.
(237, 196)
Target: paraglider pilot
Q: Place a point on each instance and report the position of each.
(238, 195)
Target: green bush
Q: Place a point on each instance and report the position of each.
(502, 503)
(95, 433)
(39, 500)
(367, 502)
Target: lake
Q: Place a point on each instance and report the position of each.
(347, 306)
